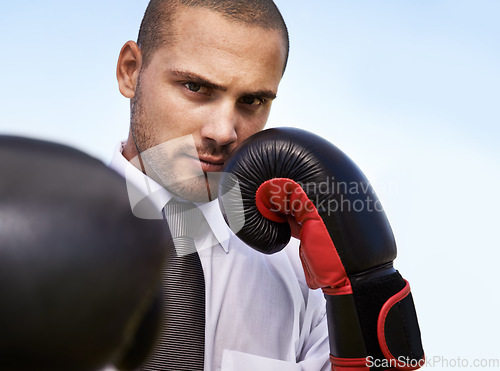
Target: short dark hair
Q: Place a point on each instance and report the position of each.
(155, 30)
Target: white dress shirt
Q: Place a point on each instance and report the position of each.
(260, 314)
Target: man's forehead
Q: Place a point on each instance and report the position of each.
(186, 18)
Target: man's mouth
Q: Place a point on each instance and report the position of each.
(210, 163)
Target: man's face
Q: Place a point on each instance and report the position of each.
(201, 96)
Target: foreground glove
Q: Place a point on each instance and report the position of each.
(284, 181)
(79, 274)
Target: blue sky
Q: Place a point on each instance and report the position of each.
(408, 89)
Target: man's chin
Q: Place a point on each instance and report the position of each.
(198, 189)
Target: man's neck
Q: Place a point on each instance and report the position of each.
(130, 149)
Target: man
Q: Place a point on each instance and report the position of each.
(201, 79)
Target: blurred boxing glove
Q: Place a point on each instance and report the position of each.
(79, 274)
(287, 180)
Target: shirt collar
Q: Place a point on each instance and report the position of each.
(213, 216)
(141, 186)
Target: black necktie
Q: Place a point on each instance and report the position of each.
(181, 345)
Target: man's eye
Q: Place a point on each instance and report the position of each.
(251, 101)
(194, 87)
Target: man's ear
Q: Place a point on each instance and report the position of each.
(128, 67)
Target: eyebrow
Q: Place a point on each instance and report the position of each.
(193, 77)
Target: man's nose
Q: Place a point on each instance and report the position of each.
(220, 126)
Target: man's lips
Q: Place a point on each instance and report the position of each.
(210, 163)
(213, 160)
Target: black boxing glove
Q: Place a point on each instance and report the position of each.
(287, 180)
(79, 274)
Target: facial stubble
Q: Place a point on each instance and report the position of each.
(160, 165)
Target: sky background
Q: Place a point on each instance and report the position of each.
(408, 89)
